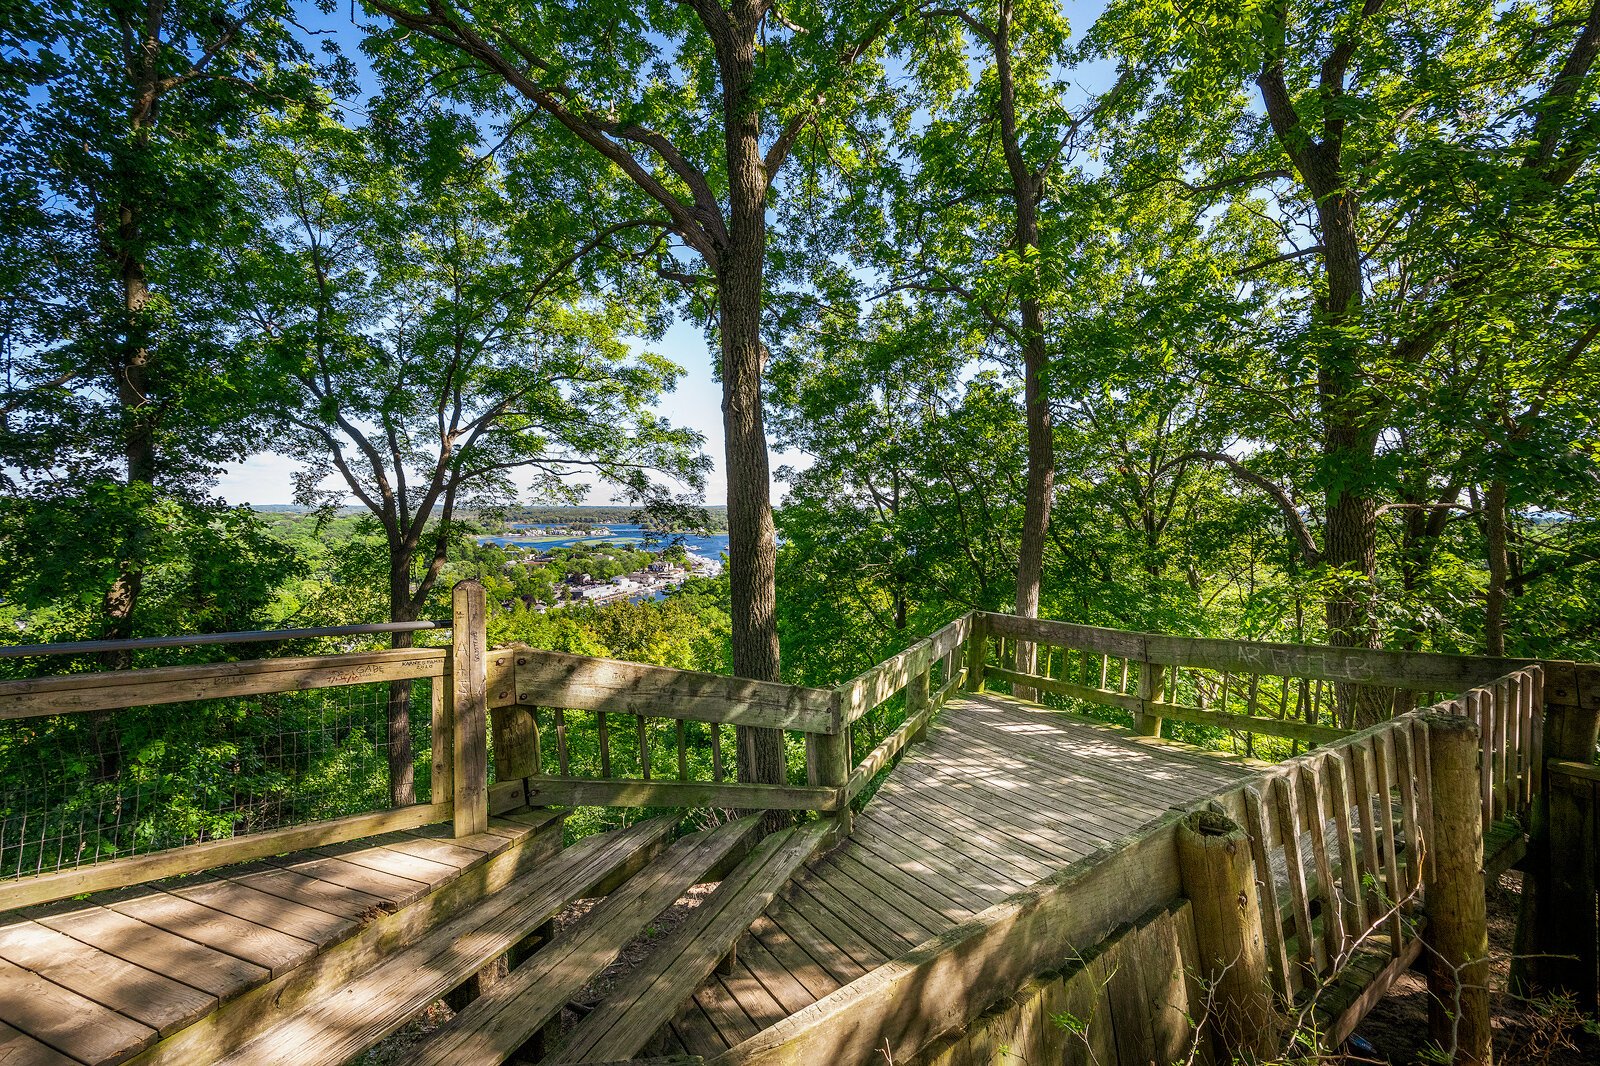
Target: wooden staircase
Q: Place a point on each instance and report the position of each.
(648, 997)
(397, 987)
(639, 875)
(184, 970)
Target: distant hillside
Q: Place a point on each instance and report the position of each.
(597, 514)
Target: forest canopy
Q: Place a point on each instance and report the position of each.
(1275, 320)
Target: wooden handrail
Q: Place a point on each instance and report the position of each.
(116, 689)
(873, 687)
(1417, 671)
(582, 682)
(529, 682)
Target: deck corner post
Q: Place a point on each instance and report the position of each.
(469, 689)
(1152, 685)
(1457, 933)
(1219, 878)
(918, 697)
(977, 651)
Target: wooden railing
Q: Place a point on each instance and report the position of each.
(928, 673)
(1285, 691)
(515, 726)
(1338, 838)
(608, 733)
(1341, 838)
(95, 827)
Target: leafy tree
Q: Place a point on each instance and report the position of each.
(1410, 153)
(995, 201)
(686, 113)
(431, 356)
(121, 388)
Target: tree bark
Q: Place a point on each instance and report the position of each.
(1344, 406)
(1025, 187)
(752, 538)
(402, 784)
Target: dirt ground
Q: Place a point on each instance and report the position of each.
(397, 1048)
(1525, 1034)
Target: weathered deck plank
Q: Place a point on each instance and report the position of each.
(998, 796)
(98, 980)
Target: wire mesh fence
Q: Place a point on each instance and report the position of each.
(83, 788)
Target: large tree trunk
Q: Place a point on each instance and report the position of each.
(131, 366)
(1349, 445)
(402, 786)
(752, 539)
(1025, 187)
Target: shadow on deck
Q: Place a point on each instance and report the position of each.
(1002, 795)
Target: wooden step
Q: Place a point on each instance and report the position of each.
(514, 1010)
(183, 969)
(343, 1024)
(649, 997)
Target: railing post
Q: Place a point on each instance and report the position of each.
(1567, 729)
(1152, 682)
(918, 691)
(977, 652)
(828, 764)
(1457, 933)
(441, 786)
(515, 740)
(1219, 878)
(469, 708)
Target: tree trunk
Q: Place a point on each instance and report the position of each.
(1494, 624)
(138, 440)
(752, 539)
(1348, 448)
(402, 786)
(1025, 187)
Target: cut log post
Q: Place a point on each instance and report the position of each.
(1457, 933)
(1152, 683)
(469, 691)
(1219, 877)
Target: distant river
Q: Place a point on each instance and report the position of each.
(711, 547)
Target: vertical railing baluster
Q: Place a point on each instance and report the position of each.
(1333, 928)
(1308, 947)
(1383, 773)
(561, 741)
(1340, 795)
(644, 746)
(1257, 818)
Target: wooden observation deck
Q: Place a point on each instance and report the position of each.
(976, 866)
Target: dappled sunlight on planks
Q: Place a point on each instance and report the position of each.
(998, 797)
